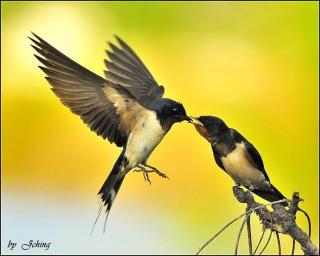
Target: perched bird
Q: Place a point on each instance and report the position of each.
(127, 107)
(237, 157)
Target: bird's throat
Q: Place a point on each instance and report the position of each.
(203, 131)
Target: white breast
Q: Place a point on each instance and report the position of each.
(142, 140)
(241, 169)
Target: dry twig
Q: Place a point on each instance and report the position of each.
(237, 218)
(260, 240)
(265, 246)
(239, 234)
(280, 220)
(279, 243)
(249, 233)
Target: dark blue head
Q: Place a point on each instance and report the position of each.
(170, 112)
(210, 127)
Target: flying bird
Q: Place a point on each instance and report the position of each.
(126, 107)
(237, 157)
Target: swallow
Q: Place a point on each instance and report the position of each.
(126, 107)
(237, 157)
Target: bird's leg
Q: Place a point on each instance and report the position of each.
(153, 169)
(145, 173)
(142, 168)
(251, 188)
(236, 185)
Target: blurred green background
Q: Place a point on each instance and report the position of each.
(253, 64)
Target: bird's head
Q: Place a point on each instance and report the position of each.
(210, 127)
(170, 112)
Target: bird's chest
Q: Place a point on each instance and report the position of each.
(238, 165)
(142, 140)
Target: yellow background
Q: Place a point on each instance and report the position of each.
(253, 64)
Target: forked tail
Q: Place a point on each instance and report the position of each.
(110, 188)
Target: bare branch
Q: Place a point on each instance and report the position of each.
(309, 221)
(260, 240)
(265, 246)
(239, 234)
(249, 233)
(279, 243)
(282, 220)
(257, 208)
(293, 246)
(218, 233)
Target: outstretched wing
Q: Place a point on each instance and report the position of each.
(126, 69)
(107, 108)
(252, 152)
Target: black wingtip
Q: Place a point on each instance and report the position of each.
(32, 33)
(38, 57)
(113, 47)
(36, 48)
(44, 69)
(34, 41)
(112, 44)
(30, 38)
(36, 36)
(40, 41)
(116, 37)
(110, 54)
(120, 41)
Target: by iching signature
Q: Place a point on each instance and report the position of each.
(30, 245)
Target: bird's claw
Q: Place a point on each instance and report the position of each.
(146, 177)
(142, 168)
(251, 188)
(153, 169)
(162, 175)
(144, 172)
(236, 185)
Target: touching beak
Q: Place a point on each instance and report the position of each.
(202, 129)
(185, 118)
(188, 119)
(195, 120)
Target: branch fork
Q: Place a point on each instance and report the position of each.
(280, 219)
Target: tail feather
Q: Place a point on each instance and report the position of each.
(271, 196)
(110, 189)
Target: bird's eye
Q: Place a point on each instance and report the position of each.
(174, 109)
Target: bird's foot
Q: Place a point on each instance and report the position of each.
(143, 168)
(153, 169)
(144, 172)
(251, 188)
(236, 185)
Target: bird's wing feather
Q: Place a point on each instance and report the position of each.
(217, 159)
(107, 108)
(252, 151)
(126, 69)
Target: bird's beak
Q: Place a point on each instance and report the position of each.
(188, 119)
(195, 121)
(202, 130)
(185, 118)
